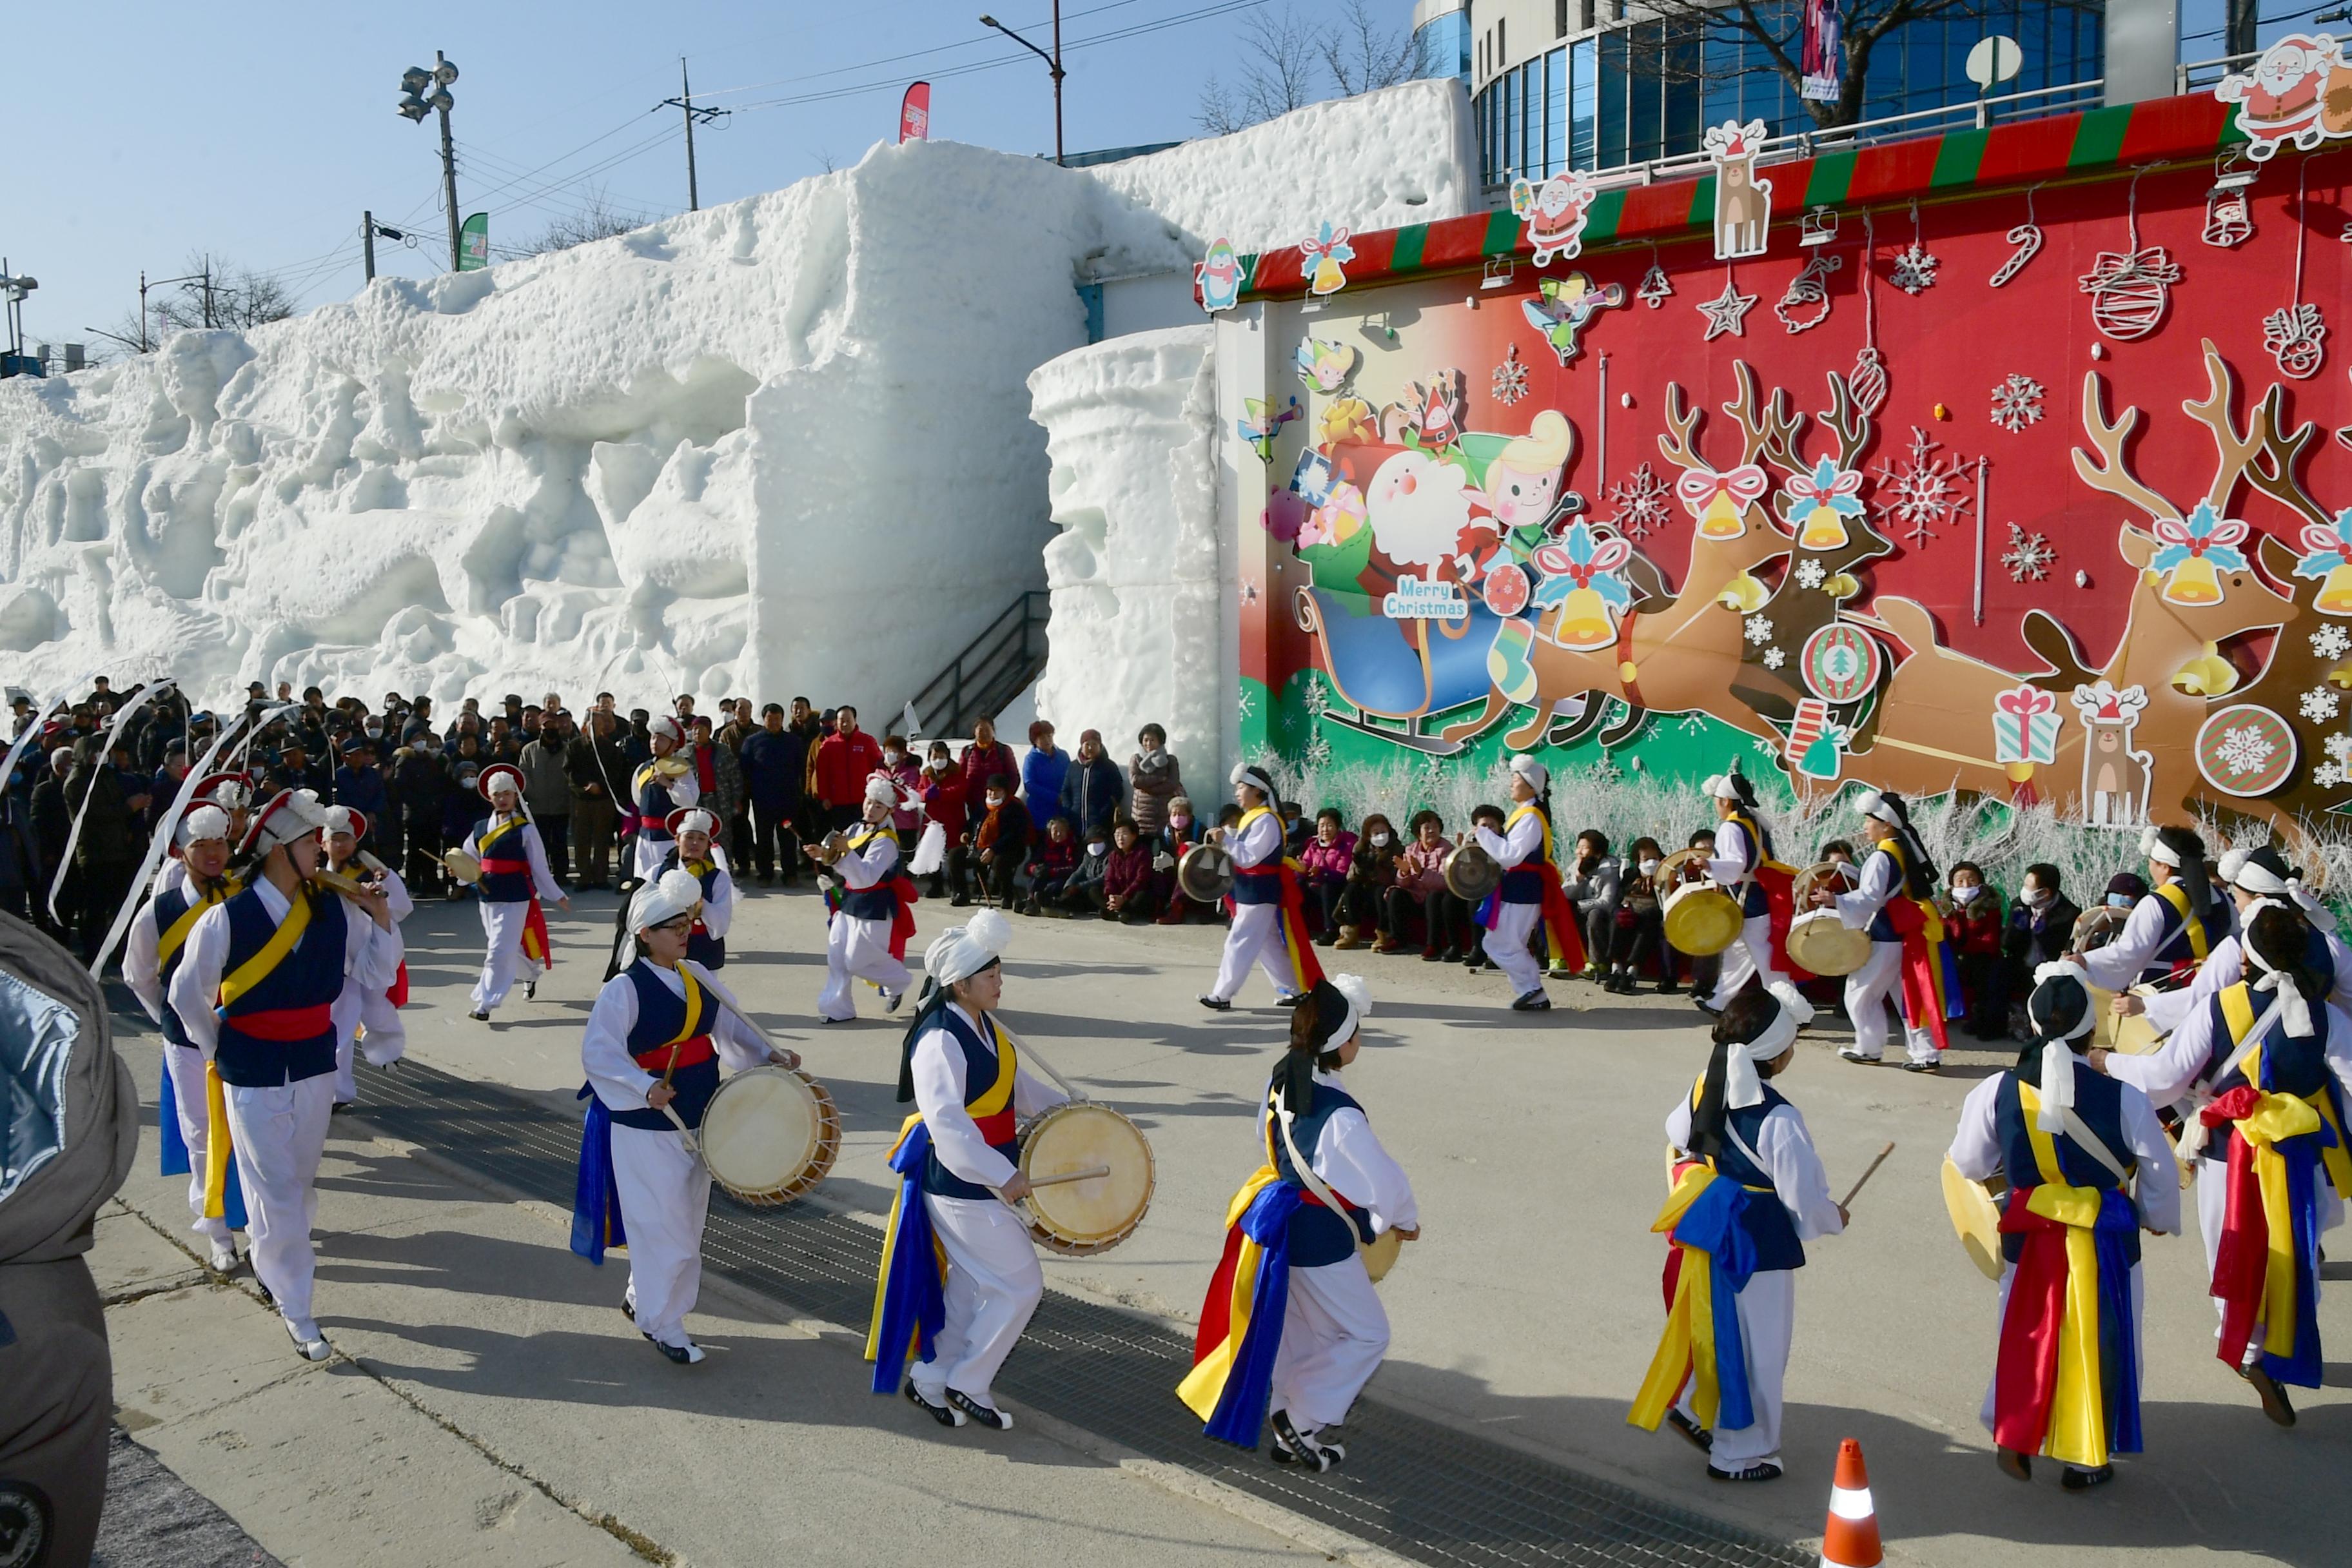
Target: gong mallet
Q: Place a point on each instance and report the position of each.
(1867, 1175)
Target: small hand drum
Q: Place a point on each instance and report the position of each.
(463, 866)
(1080, 1219)
(770, 1135)
(2134, 1036)
(1701, 919)
(1976, 1218)
(1382, 1254)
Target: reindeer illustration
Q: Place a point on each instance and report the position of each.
(1677, 654)
(1743, 204)
(2116, 776)
(1933, 732)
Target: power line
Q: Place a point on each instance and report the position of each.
(911, 54)
(667, 134)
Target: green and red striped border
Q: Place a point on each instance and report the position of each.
(2194, 125)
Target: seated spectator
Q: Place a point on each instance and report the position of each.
(1083, 888)
(1323, 868)
(2041, 928)
(1294, 829)
(1592, 878)
(943, 803)
(1973, 921)
(1130, 887)
(1420, 887)
(2125, 890)
(1051, 862)
(991, 851)
(1369, 873)
(1167, 846)
(1837, 852)
(1639, 929)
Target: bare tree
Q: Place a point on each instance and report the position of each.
(596, 218)
(219, 294)
(1363, 55)
(1280, 72)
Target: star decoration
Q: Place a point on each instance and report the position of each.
(1727, 312)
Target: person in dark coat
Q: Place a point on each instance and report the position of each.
(421, 779)
(986, 861)
(106, 854)
(1094, 788)
(2041, 928)
(775, 766)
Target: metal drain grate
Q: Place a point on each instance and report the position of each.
(1411, 1486)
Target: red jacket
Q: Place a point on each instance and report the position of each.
(1129, 871)
(943, 803)
(843, 766)
(980, 766)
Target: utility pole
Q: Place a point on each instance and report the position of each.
(684, 101)
(372, 231)
(204, 277)
(414, 104)
(1053, 64)
(448, 167)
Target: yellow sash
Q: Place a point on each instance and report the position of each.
(2174, 894)
(498, 831)
(2078, 1428)
(272, 953)
(171, 941)
(247, 976)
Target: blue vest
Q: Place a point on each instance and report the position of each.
(1764, 1217)
(661, 1016)
(1882, 926)
(2289, 1065)
(980, 1070)
(1318, 1236)
(505, 887)
(2176, 948)
(877, 902)
(708, 951)
(1522, 883)
(310, 976)
(1752, 901)
(654, 806)
(2098, 1102)
(167, 909)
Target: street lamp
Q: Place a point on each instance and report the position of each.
(1053, 63)
(14, 291)
(422, 91)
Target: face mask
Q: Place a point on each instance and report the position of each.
(1096, 849)
(1180, 822)
(2037, 897)
(1380, 840)
(894, 758)
(1649, 867)
(1967, 894)
(994, 801)
(2120, 900)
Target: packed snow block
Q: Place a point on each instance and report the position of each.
(1135, 572)
(781, 446)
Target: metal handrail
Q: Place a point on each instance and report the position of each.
(1003, 649)
(2185, 74)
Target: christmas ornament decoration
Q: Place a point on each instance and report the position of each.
(2327, 556)
(1217, 278)
(1640, 499)
(2029, 556)
(1554, 212)
(1720, 500)
(1324, 257)
(2131, 289)
(1262, 422)
(2229, 209)
(2194, 551)
(1743, 203)
(1866, 383)
(2294, 95)
(1914, 271)
(2245, 750)
(1581, 584)
(1841, 663)
(2294, 335)
(2017, 403)
(1564, 307)
(1808, 290)
(1656, 287)
(1816, 747)
(2027, 238)
(1727, 311)
(1510, 377)
(1923, 493)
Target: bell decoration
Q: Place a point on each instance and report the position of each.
(2328, 557)
(1819, 503)
(2207, 675)
(1720, 500)
(1745, 592)
(1321, 256)
(2194, 551)
(1580, 585)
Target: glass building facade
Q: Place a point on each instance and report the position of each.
(1645, 90)
(1441, 33)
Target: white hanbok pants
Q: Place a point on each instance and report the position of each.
(1506, 944)
(1334, 1334)
(665, 1201)
(185, 1070)
(502, 958)
(993, 1285)
(1751, 954)
(386, 1041)
(650, 854)
(1255, 938)
(1768, 1320)
(279, 1133)
(857, 950)
(2007, 1275)
(1870, 991)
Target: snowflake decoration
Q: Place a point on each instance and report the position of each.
(1760, 629)
(2340, 746)
(1765, 748)
(1913, 268)
(2245, 751)
(1926, 493)
(1811, 574)
(1695, 724)
(1774, 659)
(2328, 776)
(2320, 705)
(1641, 500)
(2028, 556)
(1317, 697)
(2331, 642)
(1605, 767)
(1510, 377)
(2017, 403)
(1319, 752)
(1247, 706)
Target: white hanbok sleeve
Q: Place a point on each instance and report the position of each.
(2224, 966)
(619, 1082)
(1348, 1156)
(938, 1075)
(1976, 1146)
(2115, 966)
(1797, 1176)
(1033, 1096)
(1880, 881)
(372, 954)
(542, 881)
(2157, 1191)
(719, 905)
(143, 963)
(1732, 853)
(1678, 1126)
(869, 866)
(1525, 838)
(1258, 843)
(2167, 1073)
(396, 896)
(196, 982)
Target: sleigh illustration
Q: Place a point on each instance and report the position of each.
(1397, 674)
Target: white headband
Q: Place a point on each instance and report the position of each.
(2057, 1084)
(1255, 779)
(2240, 869)
(962, 951)
(1358, 994)
(1742, 1085)
(1720, 787)
(1534, 772)
(675, 893)
(2153, 846)
(1873, 804)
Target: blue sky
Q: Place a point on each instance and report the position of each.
(261, 130)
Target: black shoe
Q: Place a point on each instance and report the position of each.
(1690, 1431)
(629, 1312)
(986, 1414)
(2015, 1463)
(687, 1354)
(1216, 1005)
(1293, 1000)
(1666, 988)
(478, 1015)
(959, 902)
(946, 1416)
(1935, 1065)
(340, 1106)
(530, 990)
(1322, 939)
(1292, 1446)
(2275, 1403)
(1533, 1002)
(1763, 1472)
(1702, 1004)
(2075, 1481)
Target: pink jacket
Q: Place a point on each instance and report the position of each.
(909, 776)
(1423, 871)
(1322, 861)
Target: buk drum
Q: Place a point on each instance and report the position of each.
(2133, 1035)
(1079, 1218)
(1701, 918)
(770, 1135)
(1820, 943)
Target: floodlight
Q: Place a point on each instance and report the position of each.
(412, 108)
(414, 78)
(445, 72)
(442, 101)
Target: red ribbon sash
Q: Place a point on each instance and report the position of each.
(690, 1052)
(282, 1023)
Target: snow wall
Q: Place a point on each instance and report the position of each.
(781, 446)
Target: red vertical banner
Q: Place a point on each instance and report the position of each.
(915, 113)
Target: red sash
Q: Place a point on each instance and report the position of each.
(692, 1051)
(282, 1023)
(995, 1129)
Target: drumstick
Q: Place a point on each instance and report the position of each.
(750, 1023)
(1867, 1175)
(1027, 1050)
(1087, 1174)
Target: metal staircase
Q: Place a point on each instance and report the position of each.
(996, 667)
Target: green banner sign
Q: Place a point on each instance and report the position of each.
(473, 243)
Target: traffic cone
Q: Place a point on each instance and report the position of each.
(1850, 1540)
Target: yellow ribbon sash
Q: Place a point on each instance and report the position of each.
(2078, 1427)
(1205, 1383)
(2174, 894)
(247, 975)
(172, 940)
(1687, 1348)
